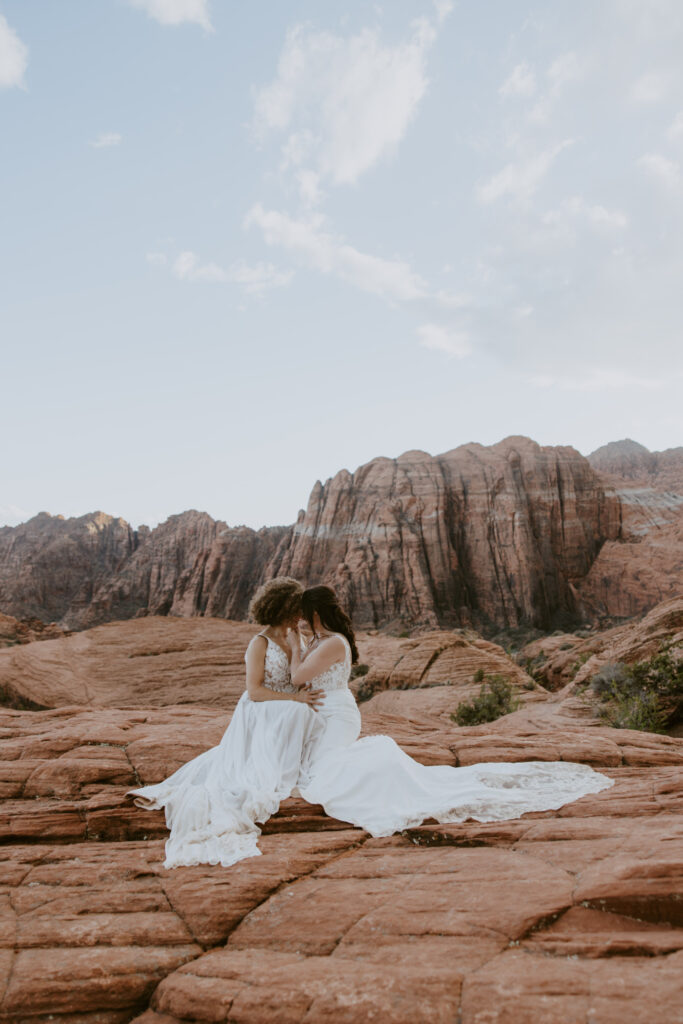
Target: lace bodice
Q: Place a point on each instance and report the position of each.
(277, 675)
(336, 677)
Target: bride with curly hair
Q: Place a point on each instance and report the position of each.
(213, 803)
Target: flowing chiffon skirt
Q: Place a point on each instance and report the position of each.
(213, 803)
(372, 783)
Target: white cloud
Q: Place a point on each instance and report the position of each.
(443, 8)
(253, 279)
(259, 276)
(443, 339)
(520, 179)
(321, 250)
(13, 56)
(666, 172)
(652, 87)
(12, 515)
(105, 139)
(176, 12)
(520, 82)
(344, 102)
(675, 131)
(575, 210)
(564, 70)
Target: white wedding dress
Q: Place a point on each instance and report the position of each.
(273, 749)
(372, 783)
(213, 803)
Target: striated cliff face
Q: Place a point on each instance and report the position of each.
(50, 565)
(645, 566)
(189, 565)
(489, 537)
(477, 536)
(631, 463)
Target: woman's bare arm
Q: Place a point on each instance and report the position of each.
(256, 664)
(327, 654)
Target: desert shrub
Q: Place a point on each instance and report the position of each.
(496, 698)
(478, 675)
(359, 670)
(647, 695)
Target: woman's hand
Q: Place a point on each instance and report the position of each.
(311, 697)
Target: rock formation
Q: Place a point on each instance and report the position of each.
(25, 631)
(51, 565)
(552, 918)
(491, 537)
(644, 566)
(478, 536)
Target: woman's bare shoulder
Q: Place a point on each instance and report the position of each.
(256, 645)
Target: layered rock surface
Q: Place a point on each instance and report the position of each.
(492, 537)
(480, 536)
(645, 565)
(557, 661)
(553, 917)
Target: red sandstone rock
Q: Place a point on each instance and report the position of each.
(25, 631)
(645, 565)
(329, 925)
(50, 565)
(153, 661)
(476, 536)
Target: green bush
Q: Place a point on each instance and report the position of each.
(359, 670)
(647, 695)
(496, 698)
(478, 675)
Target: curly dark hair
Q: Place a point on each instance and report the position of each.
(276, 601)
(325, 602)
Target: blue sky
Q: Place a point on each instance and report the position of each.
(245, 246)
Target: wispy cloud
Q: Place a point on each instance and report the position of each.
(106, 139)
(652, 87)
(343, 103)
(563, 71)
(13, 56)
(251, 278)
(576, 210)
(520, 82)
(675, 130)
(665, 171)
(177, 12)
(325, 252)
(520, 179)
(443, 339)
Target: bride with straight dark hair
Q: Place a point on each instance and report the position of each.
(372, 783)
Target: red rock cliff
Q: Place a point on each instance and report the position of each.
(479, 535)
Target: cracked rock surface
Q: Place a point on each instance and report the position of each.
(557, 917)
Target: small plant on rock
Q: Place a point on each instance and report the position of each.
(647, 695)
(496, 698)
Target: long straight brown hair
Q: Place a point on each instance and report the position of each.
(325, 602)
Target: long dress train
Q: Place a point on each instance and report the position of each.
(372, 783)
(213, 803)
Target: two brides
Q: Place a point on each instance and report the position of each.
(295, 731)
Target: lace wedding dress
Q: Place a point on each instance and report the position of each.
(372, 783)
(213, 803)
